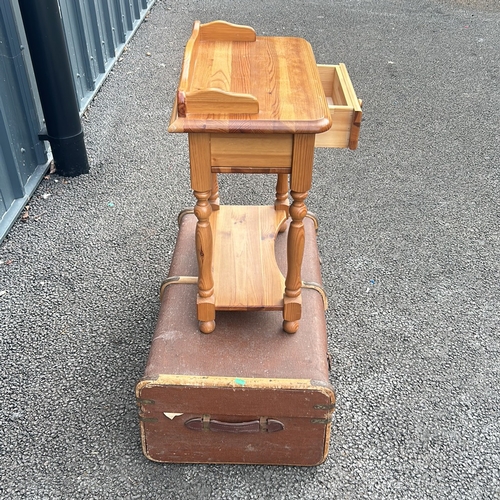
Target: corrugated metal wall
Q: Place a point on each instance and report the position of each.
(22, 155)
(96, 33)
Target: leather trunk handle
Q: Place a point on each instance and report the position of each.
(205, 423)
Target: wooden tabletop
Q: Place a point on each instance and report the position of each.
(275, 79)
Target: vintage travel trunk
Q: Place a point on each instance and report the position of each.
(247, 393)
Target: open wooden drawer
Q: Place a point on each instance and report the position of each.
(345, 108)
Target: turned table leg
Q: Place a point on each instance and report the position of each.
(214, 196)
(201, 182)
(292, 300)
(300, 183)
(281, 202)
(204, 255)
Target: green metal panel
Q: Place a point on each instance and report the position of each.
(96, 34)
(22, 154)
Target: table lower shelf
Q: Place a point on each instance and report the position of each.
(246, 275)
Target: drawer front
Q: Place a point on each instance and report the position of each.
(257, 153)
(345, 108)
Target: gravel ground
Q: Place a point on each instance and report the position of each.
(410, 245)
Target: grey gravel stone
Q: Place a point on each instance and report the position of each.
(409, 237)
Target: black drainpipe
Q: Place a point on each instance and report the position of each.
(49, 55)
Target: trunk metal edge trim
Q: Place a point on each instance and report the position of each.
(163, 380)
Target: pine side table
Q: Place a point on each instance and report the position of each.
(255, 105)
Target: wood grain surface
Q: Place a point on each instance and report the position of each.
(279, 72)
(246, 275)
